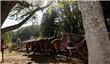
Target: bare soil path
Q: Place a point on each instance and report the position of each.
(15, 58)
(23, 58)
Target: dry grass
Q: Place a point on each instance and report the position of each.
(23, 58)
(15, 58)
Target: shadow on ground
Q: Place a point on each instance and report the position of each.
(42, 59)
(46, 59)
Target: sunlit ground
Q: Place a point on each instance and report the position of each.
(23, 58)
(15, 58)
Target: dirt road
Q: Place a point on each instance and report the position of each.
(23, 58)
(15, 58)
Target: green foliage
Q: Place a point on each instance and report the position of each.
(20, 12)
(69, 18)
(7, 39)
(47, 25)
(26, 33)
(64, 16)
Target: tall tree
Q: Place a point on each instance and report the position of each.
(6, 7)
(69, 17)
(47, 25)
(95, 32)
(26, 33)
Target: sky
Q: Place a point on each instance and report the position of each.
(13, 22)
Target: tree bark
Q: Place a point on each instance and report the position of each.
(95, 32)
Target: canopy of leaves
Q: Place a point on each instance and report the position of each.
(7, 39)
(47, 25)
(69, 17)
(20, 12)
(26, 33)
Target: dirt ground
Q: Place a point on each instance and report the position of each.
(24, 58)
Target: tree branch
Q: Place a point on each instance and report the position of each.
(6, 7)
(21, 23)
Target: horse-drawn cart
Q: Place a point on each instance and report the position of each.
(71, 43)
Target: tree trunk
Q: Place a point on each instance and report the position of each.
(95, 32)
